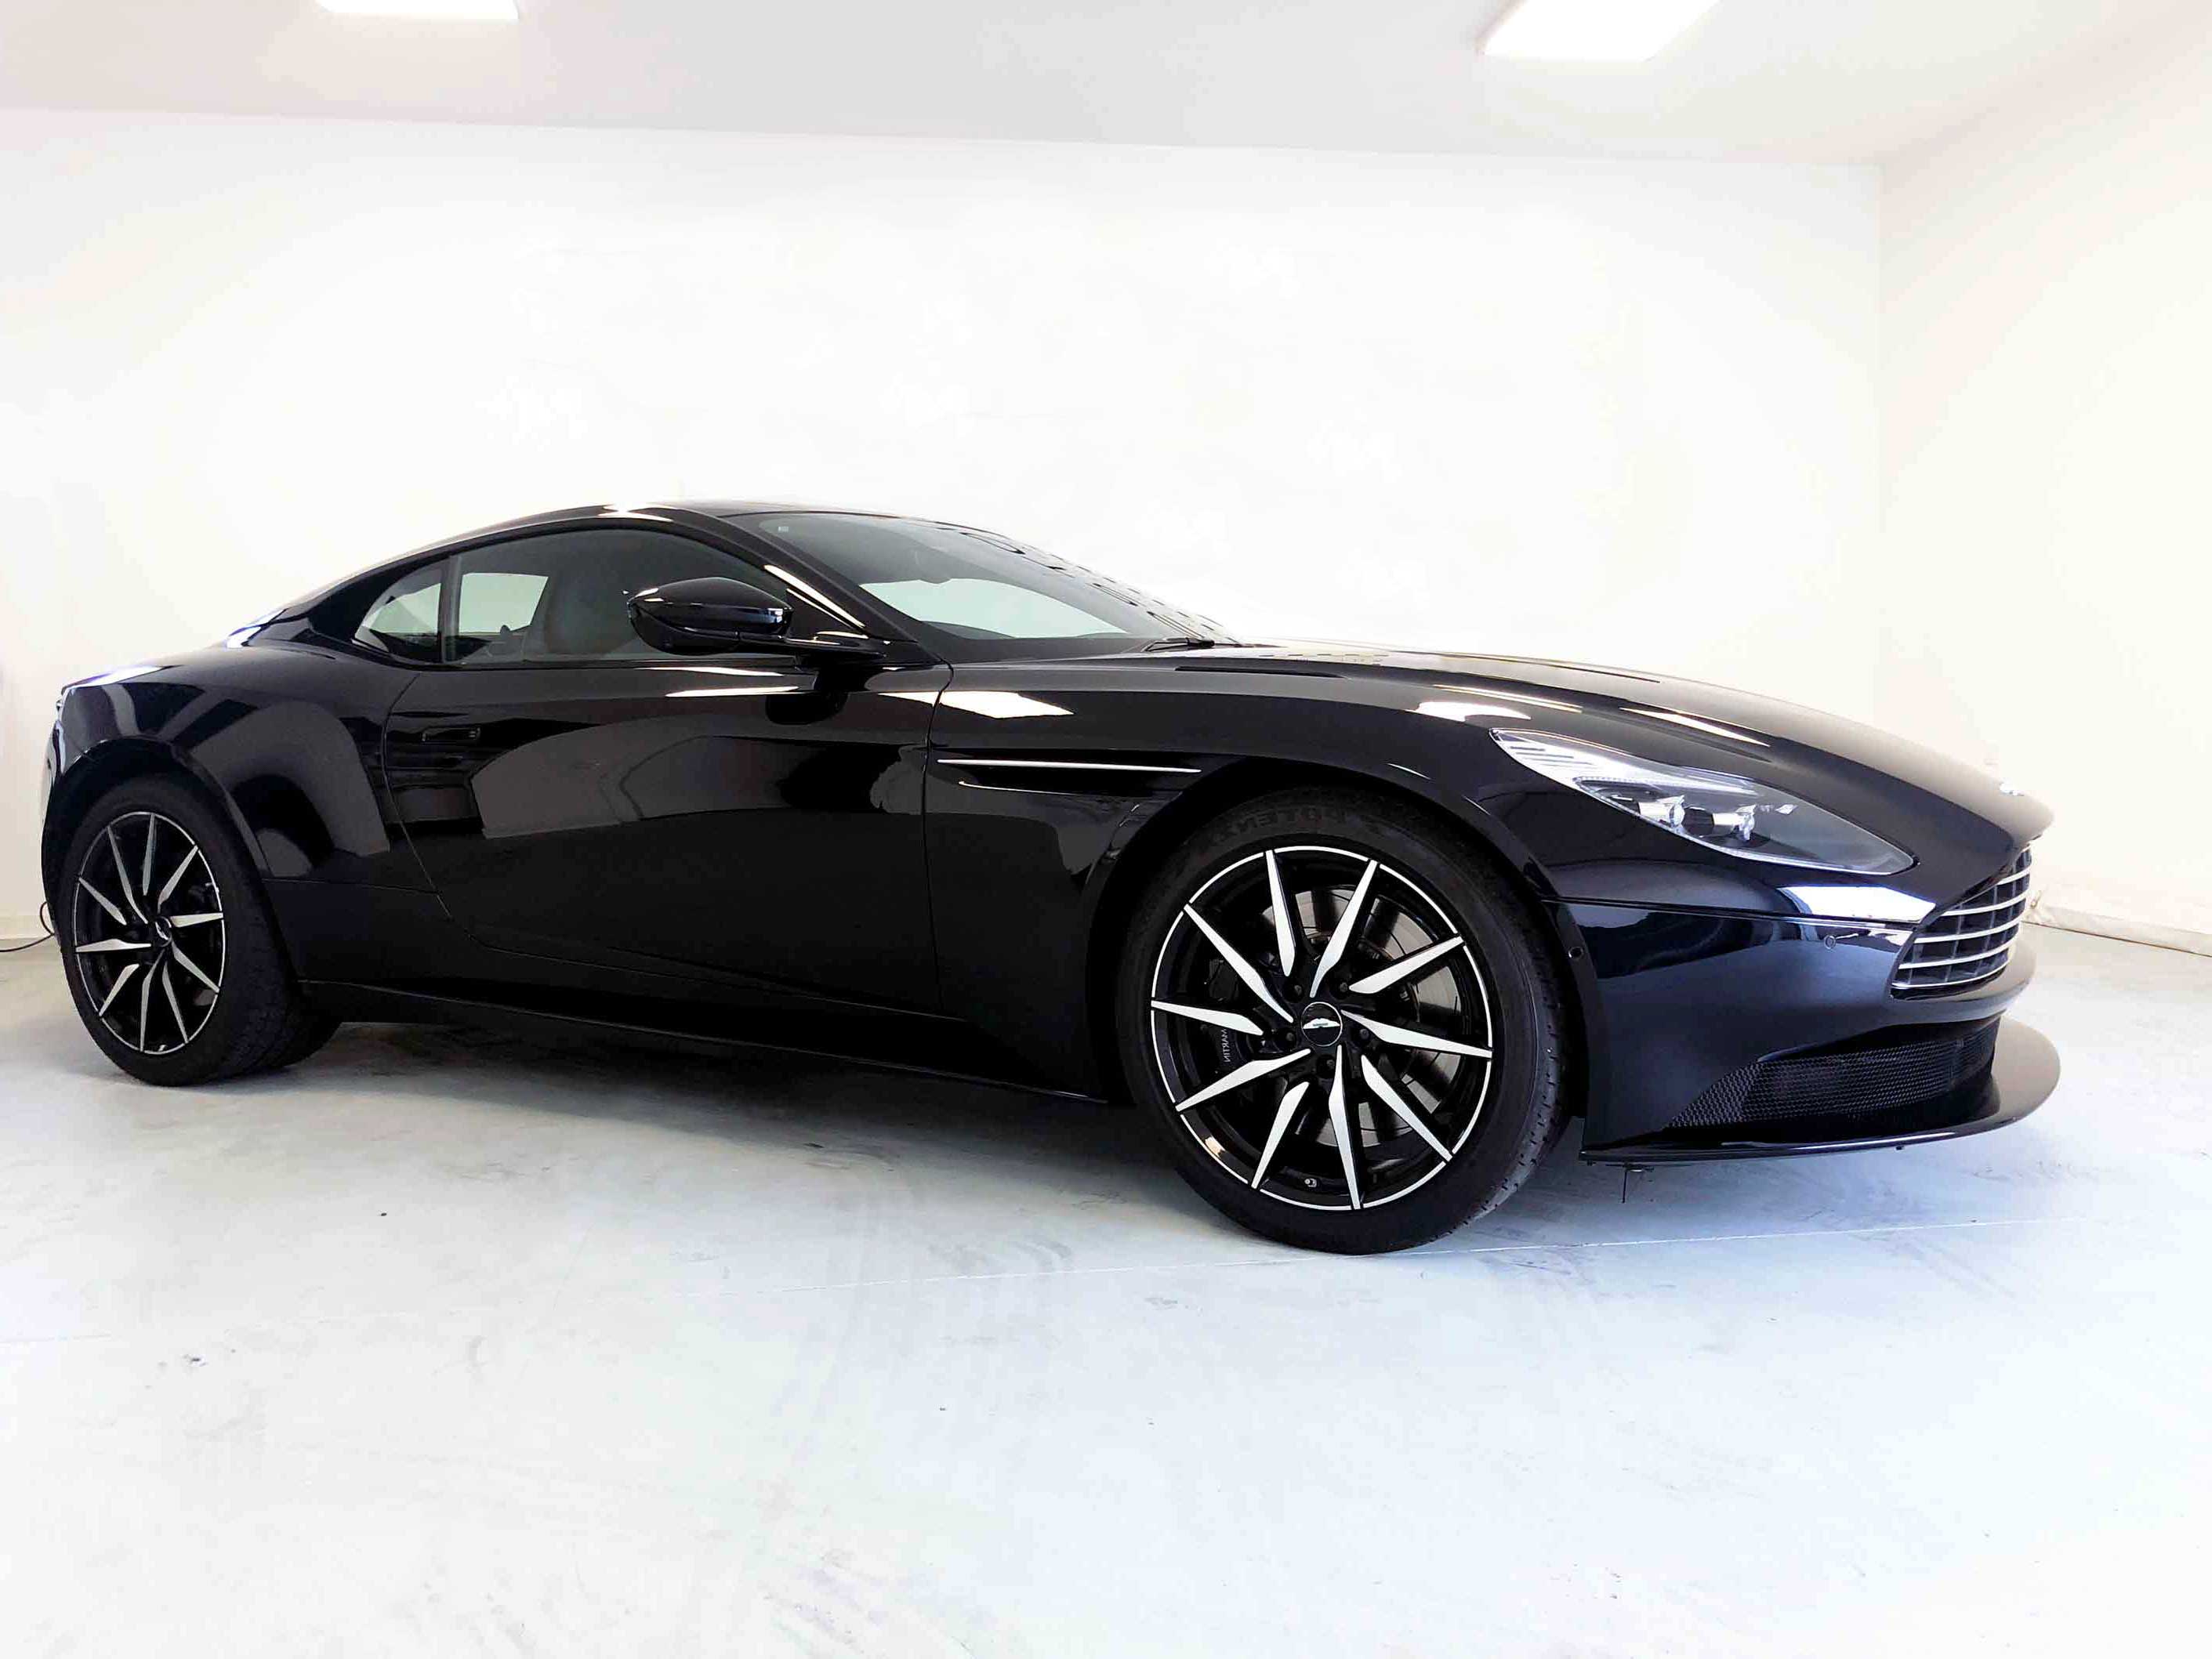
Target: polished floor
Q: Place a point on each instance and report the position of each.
(450, 1344)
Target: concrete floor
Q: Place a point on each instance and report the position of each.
(449, 1344)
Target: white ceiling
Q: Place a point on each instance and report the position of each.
(1809, 80)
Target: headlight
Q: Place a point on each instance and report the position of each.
(1728, 814)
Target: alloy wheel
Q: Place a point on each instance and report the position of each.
(1322, 1027)
(146, 934)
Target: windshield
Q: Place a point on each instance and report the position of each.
(972, 595)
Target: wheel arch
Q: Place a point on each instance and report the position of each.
(1152, 841)
(120, 761)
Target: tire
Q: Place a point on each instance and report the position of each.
(1480, 1112)
(168, 946)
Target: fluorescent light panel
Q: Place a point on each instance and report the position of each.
(470, 11)
(1592, 31)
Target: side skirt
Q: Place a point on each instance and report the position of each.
(922, 1048)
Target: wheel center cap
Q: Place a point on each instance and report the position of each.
(1320, 1026)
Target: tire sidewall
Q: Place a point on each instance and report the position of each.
(1517, 1119)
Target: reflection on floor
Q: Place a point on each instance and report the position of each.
(446, 1343)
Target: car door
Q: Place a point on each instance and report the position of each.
(573, 792)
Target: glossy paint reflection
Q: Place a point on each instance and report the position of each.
(595, 811)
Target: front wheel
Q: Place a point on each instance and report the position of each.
(1345, 1028)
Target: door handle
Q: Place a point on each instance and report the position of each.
(451, 734)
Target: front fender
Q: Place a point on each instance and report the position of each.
(289, 740)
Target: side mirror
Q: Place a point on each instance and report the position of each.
(707, 614)
(703, 614)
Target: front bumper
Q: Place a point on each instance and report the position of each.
(2019, 1076)
(1712, 1034)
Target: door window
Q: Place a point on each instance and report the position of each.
(563, 597)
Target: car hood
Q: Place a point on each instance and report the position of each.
(1837, 762)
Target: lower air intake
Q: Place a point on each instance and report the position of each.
(1870, 1075)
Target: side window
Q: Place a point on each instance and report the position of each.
(403, 620)
(562, 597)
(492, 605)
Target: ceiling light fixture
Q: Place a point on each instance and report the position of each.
(464, 12)
(1592, 31)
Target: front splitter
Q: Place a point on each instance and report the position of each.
(2023, 1073)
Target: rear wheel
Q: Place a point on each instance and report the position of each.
(1346, 1028)
(171, 957)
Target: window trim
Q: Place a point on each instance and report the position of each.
(450, 597)
(722, 535)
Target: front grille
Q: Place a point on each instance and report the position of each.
(1969, 942)
(1895, 1069)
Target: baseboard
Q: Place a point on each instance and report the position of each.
(16, 930)
(2069, 919)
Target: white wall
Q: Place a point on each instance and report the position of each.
(1620, 411)
(2048, 346)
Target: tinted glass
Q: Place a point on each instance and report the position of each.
(492, 603)
(954, 585)
(403, 620)
(563, 597)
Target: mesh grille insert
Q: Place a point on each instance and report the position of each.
(1893, 1070)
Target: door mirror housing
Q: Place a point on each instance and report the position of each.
(707, 614)
(704, 614)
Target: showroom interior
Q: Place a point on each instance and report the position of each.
(1849, 354)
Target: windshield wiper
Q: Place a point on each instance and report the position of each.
(1187, 642)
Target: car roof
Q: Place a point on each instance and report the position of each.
(567, 517)
(714, 507)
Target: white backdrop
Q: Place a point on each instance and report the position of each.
(1620, 411)
(2048, 330)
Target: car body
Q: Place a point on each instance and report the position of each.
(921, 849)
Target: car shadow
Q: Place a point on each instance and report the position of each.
(814, 1107)
(830, 1113)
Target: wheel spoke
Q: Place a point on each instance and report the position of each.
(1243, 969)
(1222, 1017)
(116, 989)
(1346, 925)
(1285, 1111)
(1404, 1037)
(175, 876)
(169, 990)
(194, 920)
(1285, 931)
(123, 874)
(1248, 1072)
(1384, 978)
(145, 1008)
(100, 945)
(146, 864)
(1341, 925)
(192, 968)
(1412, 1115)
(105, 903)
(1339, 1125)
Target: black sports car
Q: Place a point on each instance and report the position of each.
(1359, 929)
